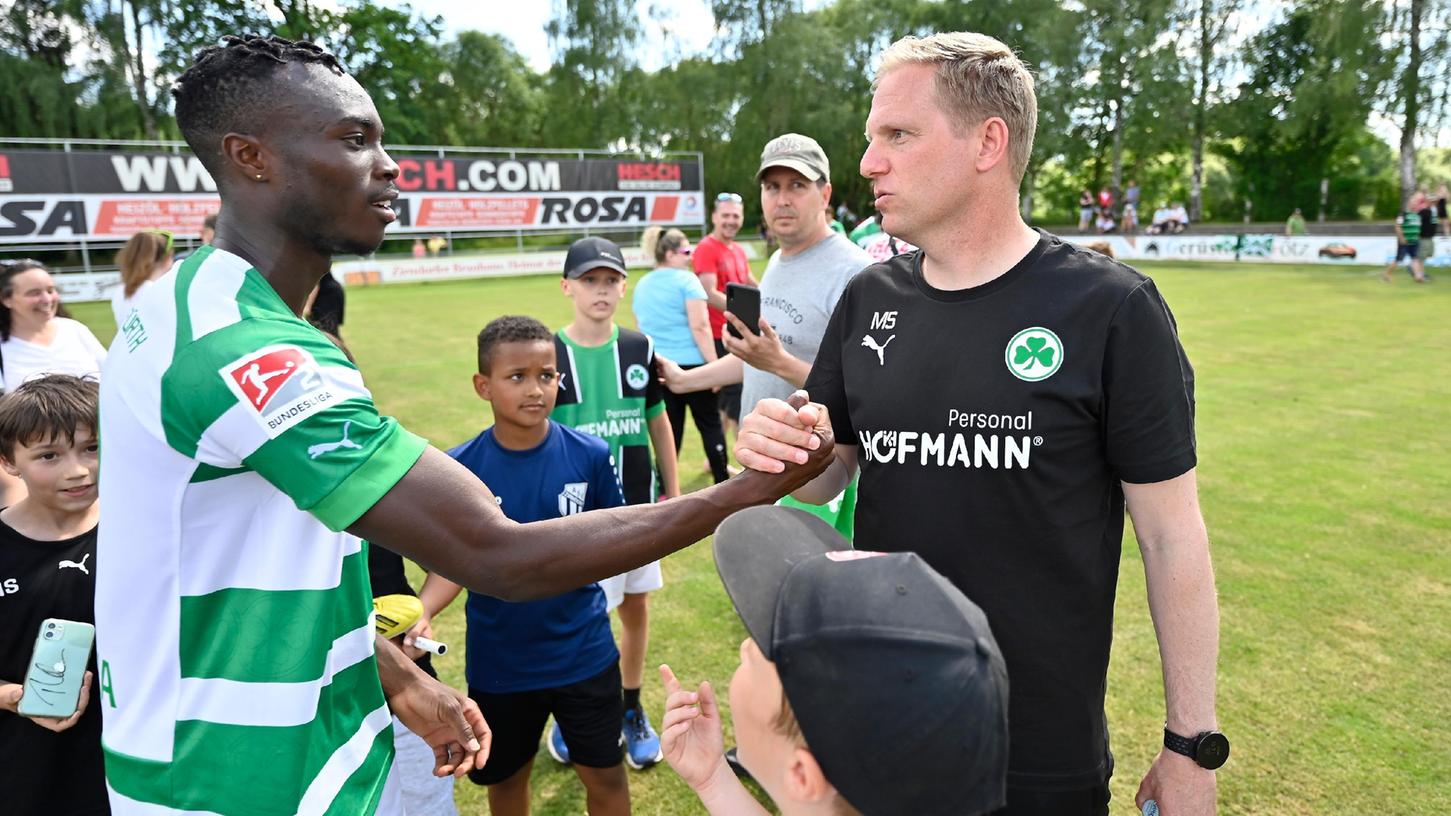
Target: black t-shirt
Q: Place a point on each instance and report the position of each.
(328, 306)
(994, 426)
(1428, 222)
(42, 771)
(386, 576)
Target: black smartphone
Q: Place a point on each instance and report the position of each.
(745, 303)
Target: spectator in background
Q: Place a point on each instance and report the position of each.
(1427, 247)
(1131, 194)
(1085, 210)
(1178, 218)
(670, 306)
(419, 249)
(718, 260)
(209, 229)
(1408, 239)
(836, 226)
(436, 245)
(1129, 224)
(1295, 224)
(1106, 222)
(35, 335)
(1105, 198)
(1441, 194)
(325, 307)
(145, 257)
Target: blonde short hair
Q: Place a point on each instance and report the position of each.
(978, 77)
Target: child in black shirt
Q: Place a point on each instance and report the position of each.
(47, 570)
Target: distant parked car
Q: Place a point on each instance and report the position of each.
(1338, 251)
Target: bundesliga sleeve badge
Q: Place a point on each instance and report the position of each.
(280, 384)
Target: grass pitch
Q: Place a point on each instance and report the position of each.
(1324, 408)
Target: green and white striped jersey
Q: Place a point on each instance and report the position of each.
(237, 667)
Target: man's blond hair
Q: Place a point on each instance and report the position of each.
(978, 77)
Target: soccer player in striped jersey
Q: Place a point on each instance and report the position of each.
(245, 459)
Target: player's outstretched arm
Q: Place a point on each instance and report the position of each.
(442, 517)
(775, 434)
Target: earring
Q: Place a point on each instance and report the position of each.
(259, 176)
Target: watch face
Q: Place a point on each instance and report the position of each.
(1212, 750)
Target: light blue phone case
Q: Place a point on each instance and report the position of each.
(57, 667)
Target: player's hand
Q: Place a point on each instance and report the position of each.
(448, 721)
(1179, 785)
(777, 433)
(422, 629)
(690, 735)
(10, 694)
(759, 351)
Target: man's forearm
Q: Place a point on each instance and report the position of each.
(722, 372)
(792, 369)
(830, 483)
(1186, 619)
(442, 518)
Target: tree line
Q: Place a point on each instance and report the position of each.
(1211, 102)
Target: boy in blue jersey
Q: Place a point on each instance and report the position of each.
(556, 656)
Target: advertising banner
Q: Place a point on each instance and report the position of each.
(58, 196)
(1258, 248)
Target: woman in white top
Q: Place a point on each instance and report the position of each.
(145, 258)
(34, 339)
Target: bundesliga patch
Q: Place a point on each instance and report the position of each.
(282, 385)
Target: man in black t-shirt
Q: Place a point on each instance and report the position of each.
(1007, 395)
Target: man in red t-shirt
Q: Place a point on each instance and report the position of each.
(719, 260)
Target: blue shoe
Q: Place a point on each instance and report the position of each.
(557, 748)
(642, 744)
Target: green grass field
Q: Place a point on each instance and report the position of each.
(1324, 407)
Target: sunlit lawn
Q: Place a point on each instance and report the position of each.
(1324, 408)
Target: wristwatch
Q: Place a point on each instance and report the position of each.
(1209, 749)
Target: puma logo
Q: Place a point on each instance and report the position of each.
(74, 565)
(321, 448)
(871, 343)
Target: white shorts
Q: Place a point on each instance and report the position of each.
(634, 582)
(421, 793)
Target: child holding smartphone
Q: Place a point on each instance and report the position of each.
(47, 570)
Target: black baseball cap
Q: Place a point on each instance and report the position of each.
(593, 253)
(893, 674)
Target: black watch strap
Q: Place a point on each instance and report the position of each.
(1208, 749)
(1178, 744)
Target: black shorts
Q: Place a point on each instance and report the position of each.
(590, 713)
(1407, 251)
(730, 395)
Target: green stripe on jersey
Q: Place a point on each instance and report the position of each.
(387, 466)
(184, 278)
(272, 636)
(264, 771)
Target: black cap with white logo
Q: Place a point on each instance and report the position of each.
(593, 253)
(873, 650)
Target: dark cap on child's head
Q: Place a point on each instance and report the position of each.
(591, 253)
(873, 650)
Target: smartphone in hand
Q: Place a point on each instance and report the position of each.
(57, 667)
(745, 303)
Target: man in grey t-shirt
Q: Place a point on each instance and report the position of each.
(799, 290)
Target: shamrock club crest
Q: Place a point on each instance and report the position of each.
(1034, 354)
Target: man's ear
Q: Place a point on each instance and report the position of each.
(826, 195)
(993, 144)
(805, 782)
(246, 154)
(481, 387)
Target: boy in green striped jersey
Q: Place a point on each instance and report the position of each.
(609, 386)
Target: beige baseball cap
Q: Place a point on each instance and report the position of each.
(800, 153)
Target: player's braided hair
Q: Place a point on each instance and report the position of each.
(508, 329)
(227, 87)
